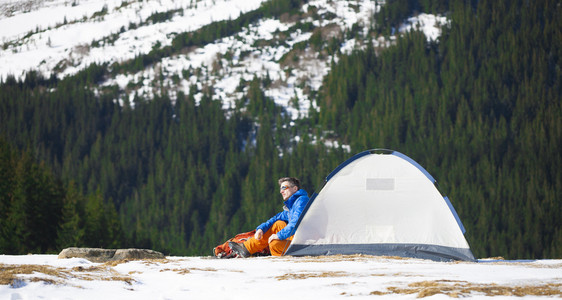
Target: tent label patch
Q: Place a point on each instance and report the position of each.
(380, 184)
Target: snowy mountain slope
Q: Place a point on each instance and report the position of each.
(63, 37)
(327, 277)
(60, 32)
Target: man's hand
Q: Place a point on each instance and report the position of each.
(273, 237)
(259, 234)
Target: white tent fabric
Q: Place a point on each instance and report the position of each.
(381, 202)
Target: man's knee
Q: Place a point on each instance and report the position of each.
(278, 225)
(278, 247)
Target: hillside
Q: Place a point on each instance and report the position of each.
(60, 38)
(164, 125)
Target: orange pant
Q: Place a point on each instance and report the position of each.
(276, 247)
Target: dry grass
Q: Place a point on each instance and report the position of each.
(456, 289)
(177, 270)
(183, 271)
(495, 258)
(313, 275)
(528, 264)
(327, 274)
(10, 274)
(145, 261)
(339, 257)
(101, 272)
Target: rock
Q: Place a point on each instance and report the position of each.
(137, 254)
(100, 255)
(91, 254)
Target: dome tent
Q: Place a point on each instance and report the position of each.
(381, 202)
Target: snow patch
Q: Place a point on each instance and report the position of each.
(430, 25)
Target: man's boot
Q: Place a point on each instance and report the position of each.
(239, 249)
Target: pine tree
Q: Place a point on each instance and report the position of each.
(71, 231)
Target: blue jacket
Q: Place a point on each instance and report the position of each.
(294, 207)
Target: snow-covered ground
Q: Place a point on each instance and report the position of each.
(327, 277)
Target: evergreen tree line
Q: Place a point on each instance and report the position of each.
(395, 12)
(176, 177)
(479, 110)
(39, 213)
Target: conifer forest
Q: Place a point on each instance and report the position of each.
(480, 109)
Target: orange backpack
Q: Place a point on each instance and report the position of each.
(224, 251)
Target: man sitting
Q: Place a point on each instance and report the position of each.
(277, 232)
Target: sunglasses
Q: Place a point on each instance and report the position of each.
(284, 187)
